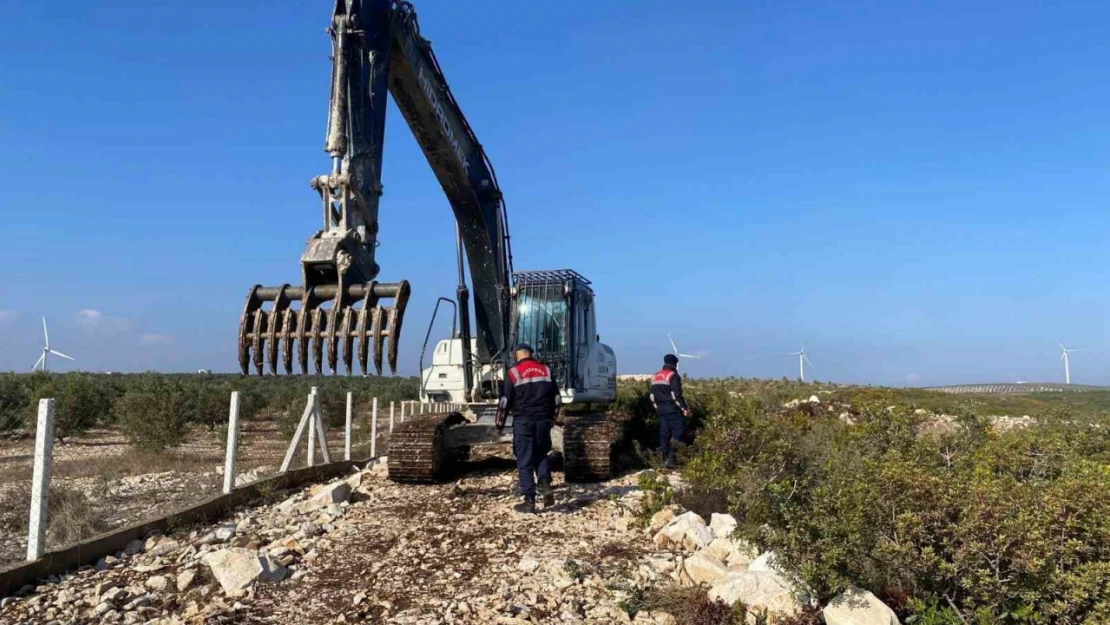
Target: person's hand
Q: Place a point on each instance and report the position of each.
(686, 413)
(500, 419)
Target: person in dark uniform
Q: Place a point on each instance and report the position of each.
(670, 405)
(530, 393)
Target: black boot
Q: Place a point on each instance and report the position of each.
(528, 506)
(548, 496)
(670, 463)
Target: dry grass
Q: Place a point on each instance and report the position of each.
(135, 462)
(691, 606)
(73, 515)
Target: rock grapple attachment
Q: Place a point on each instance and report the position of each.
(321, 320)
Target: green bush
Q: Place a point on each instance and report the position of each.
(87, 400)
(13, 402)
(154, 413)
(992, 527)
(81, 403)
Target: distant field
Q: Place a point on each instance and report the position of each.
(982, 399)
(1024, 388)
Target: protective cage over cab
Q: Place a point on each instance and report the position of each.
(554, 312)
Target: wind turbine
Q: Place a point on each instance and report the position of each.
(802, 360)
(1067, 367)
(677, 353)
(46, 349)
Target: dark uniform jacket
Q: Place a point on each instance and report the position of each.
(529, 392)
(666, 393)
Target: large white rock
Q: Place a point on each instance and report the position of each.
(660, 519)
(703, 569)
(765, 563)
(687, 530)
(734, 553)
(758, 591)
(235, 569)
(722, 525)
(858, 607)
(324, 496)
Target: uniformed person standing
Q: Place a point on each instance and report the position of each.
(670, 406)
(531, 395)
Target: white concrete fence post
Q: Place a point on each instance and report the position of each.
(391, 406)
(374, 429)
(347, 440)
(312, 429)
(321, 433)
(40, 482)
(306, 419)
(232, 443)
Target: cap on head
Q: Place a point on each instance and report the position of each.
(523, 347)
(670, 359)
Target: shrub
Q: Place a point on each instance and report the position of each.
(154, 413)
(992, 526)
(13, 402)
(80, 404)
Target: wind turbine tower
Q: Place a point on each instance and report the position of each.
(1067, 362)
(802, 360)
(46, 351)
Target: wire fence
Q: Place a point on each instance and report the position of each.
(109, 476)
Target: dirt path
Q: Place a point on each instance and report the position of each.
(401, 554)
(458, 554)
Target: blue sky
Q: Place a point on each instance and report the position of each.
(915, 191)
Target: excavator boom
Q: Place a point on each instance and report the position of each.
(377, 48)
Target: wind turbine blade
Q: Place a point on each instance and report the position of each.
(1063, 356)
(56, 353)
(45, 334)
(806, 358)
(689, 356)
(39, 361)
(673, 346)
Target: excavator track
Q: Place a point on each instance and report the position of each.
(587, 448)
(417, 454)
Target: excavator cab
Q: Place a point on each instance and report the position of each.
(553, 311)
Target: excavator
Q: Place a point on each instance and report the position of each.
(340, 309)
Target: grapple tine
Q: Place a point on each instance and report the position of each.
(378, 337)
(253, 303)
(333, 342)
(348, 338)
(289, 331)
(318, 340)
(258, 339)
(303, 324)
(396, 318)
(277, 325)
(362, 341)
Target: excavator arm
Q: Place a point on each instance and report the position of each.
(377, 47)
(463, 170)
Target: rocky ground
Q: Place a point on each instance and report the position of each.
(121, 486)
(366, 550)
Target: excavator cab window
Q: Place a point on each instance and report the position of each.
(548, 315)
(542, 321)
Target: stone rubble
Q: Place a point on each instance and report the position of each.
(363, 549)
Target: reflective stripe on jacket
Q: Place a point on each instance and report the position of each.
(666, 392)
(529, 391)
